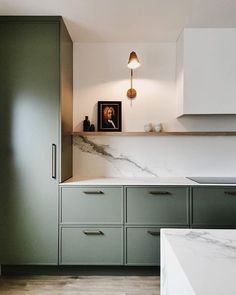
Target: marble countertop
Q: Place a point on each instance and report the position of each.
(130, 181)
(136, 181)
(198, 261)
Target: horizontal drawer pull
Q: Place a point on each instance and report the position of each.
(160, 193)
(230, 193)
(93, 232)
(153, 233)
(93, 192)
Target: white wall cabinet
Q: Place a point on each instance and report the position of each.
(206, 71)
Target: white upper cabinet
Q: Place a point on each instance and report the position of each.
(206, 71)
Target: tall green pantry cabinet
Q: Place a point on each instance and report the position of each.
(35, 135)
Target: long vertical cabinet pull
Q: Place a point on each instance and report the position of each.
(54, 161)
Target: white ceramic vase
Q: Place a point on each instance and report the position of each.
(148, 127)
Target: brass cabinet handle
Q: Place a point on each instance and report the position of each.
(93, 192)
(160, 193)
(230, 193)
(153, 232)
(93, 232)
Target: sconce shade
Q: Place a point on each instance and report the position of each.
(133, 62)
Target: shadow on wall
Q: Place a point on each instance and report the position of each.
(92, 118)
(202, 123)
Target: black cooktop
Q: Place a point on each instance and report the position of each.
(214, 180)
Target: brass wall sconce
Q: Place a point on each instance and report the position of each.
(133, 63)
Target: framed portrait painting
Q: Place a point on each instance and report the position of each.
(109, 116)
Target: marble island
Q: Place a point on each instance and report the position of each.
(198, 262)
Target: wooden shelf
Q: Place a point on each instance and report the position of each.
(163, 133)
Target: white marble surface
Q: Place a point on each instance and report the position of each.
(129, 181)
(77, 181)
(198, 262)
(166, 156)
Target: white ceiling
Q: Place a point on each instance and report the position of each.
(128, 20)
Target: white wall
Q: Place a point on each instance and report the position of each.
(100, 73)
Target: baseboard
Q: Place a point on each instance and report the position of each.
(75, 270)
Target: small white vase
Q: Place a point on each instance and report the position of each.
(148, 127)
(157, 127)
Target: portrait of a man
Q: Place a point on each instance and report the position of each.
(109, 116)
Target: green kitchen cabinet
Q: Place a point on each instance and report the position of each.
(93, 231)
(142, 246)
(96, 205)
(148, 209)
(92, 245)
(157, 205)
(214, 207)
(92, 224)
(35, 149)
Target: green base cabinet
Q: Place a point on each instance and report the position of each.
(148, 209)
(142, 246)
(214, 207)
(93, 229)
(157, 205)
(91, 225)
(92, 245)
(96, 205)
(124, 223)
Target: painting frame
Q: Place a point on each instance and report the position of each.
(109, 116)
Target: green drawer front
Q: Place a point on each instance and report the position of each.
(214, 206)
(157, 205)
(92, 205)
(143, 246)
(94, 246)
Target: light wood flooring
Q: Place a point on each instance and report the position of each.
(80, 285)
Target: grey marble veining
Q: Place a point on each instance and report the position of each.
(201, 261)
(206, 237)
(210, 238)
(165, 156)
(101, 150)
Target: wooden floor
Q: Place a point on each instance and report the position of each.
(81, 285)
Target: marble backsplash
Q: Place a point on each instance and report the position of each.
(119, 156)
